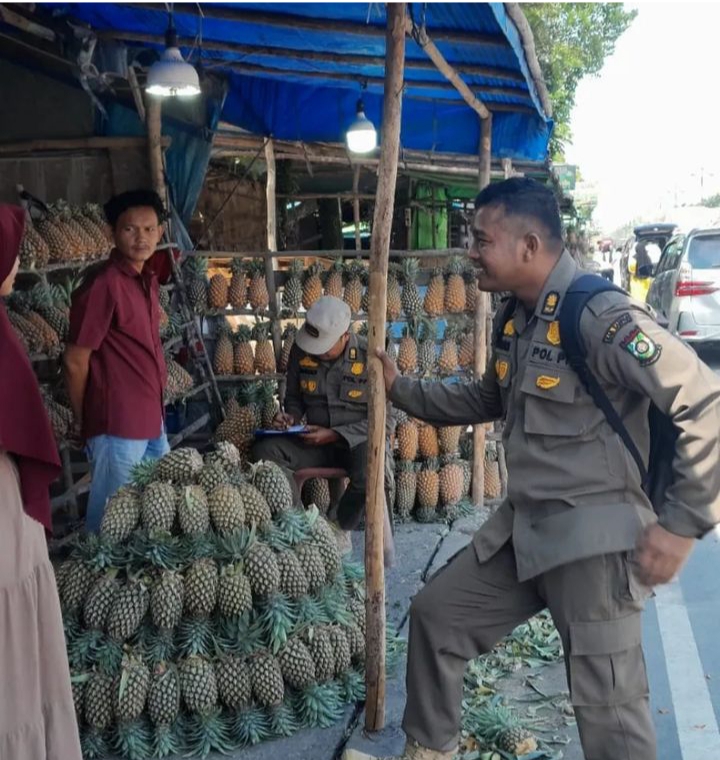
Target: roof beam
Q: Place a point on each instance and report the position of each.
(309, 55)
(294, 21)
(420, 36)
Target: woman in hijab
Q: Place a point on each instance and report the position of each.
(37, 717)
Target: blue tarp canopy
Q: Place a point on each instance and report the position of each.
(296, 70)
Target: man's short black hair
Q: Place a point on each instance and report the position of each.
(119, 204)
(524, 197)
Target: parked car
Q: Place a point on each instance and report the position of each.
(635, 283)
(685, 291)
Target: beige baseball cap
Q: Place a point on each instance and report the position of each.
(326, 321)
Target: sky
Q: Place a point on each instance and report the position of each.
(646, 131)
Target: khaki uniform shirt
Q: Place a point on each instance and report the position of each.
(331, 394)
(574, 490)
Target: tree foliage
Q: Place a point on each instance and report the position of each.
(572, 41)
(712, 202)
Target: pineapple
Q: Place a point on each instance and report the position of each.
(180, 466)
(355, 272)
(341, 650)
(99, 701)
(94, 229)
(132, 688)
(78, 682)
(234, 593)
(180, 381)
(317, 491)
(293, 581)
(405, 489)
(296, 664)
(218, 291)
(193, 511)
(122, 515)
(166, 600)
(427, 354)
(466, 353)
(34, 251)
(201, 585)
(428, 490)
(325, 540)
(157, 507)
(410, 298)
(356, 642)
(100, 600)
(249, 416)
(455, 287)
(197, 286)
(30, 336)
(267, 681)
(321, 649)
(406, 434)
(223, 358)
(408, 351)
(450, 481)
(492, 485)
(498, 725)
(448, 361)
(163, 700)
(226, 509)
(198, 684)
(312, 288)
(238, 291)
(334, 279)
(264, 350)
(262, 570)
(243, 354)
(434, 303)
(292, 292)
(428, 444)
(128, 609)
(471, 287)
(233, 682)
(288, 338)
(269, 406)
(257, 291)
(213, 474)
(449, 439)
(83, 243)
(271, 481)
(312, 564)
(394, 298)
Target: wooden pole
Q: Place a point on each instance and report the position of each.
(271, 202)
(356, 206)
(481, 336)
(153, 114)
(379, 255)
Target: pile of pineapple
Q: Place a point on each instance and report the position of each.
(209, 614)
(249, 406)
(246, 287)
(64, 234)
(234, 353)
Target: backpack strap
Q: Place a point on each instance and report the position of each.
(573, 304)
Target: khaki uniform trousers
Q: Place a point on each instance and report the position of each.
(596, 603)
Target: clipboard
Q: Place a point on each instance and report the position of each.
(292, 430)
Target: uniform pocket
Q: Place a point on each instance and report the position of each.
(606, 662)
(549, 408)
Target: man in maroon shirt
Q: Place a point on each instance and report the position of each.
(114, 365)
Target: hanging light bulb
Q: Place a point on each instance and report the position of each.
(172, 76)
(361, 136)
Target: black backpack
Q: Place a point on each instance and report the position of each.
(658, 475)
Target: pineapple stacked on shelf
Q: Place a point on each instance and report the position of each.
(209, 614)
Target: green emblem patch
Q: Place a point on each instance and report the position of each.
(641, 347)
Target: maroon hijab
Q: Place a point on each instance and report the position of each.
(25, 430)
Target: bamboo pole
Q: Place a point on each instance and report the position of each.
(376, 508)
(481, 335)
(153, 113)
(356, 206)
(271, 201)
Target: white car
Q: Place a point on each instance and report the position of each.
(686, 290)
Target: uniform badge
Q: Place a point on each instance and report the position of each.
(509, 329)
(546, 382)
(641, 347)
(357, 368)
(355, 394)
(553, 333)
(353, 354)
(550, 303)
(616, 326)
(501, 369)
(307, 361)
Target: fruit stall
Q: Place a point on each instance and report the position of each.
(209, 614)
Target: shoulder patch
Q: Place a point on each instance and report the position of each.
(550, 303)
(308, 362)
(553, 333)
(509, 329)
(501, 369)
(616, 326)
(353, 354)
(641, 347)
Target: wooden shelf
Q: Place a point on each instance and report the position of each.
(334, 254)
(58, 267)
(192, 392)
(199, 423)
(170, 342)
(248, 378)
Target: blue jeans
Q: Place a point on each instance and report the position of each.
(111, 460)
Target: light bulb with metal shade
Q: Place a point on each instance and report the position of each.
(361, 136)
(172, 76)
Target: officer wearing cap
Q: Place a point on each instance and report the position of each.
(576, 534)
(327, 384)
